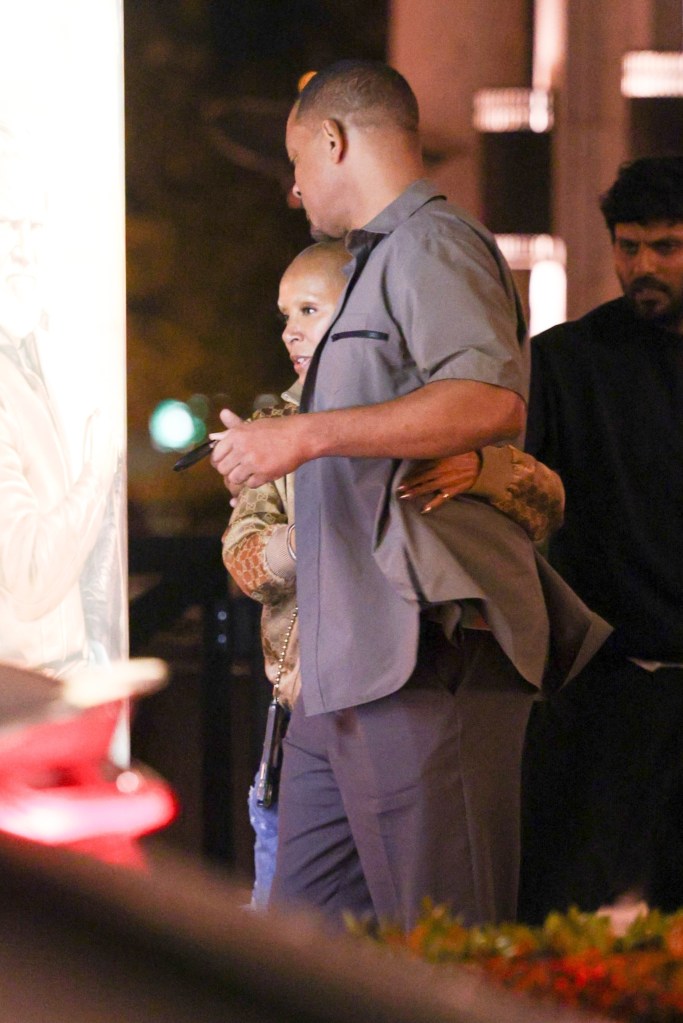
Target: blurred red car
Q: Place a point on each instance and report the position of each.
(59, 784)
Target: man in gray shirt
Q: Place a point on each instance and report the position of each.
(423, 638)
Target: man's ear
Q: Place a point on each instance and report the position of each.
(335, 139)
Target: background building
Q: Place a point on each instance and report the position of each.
(528, 107)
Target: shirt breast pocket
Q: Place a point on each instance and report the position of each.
(363, 359)
(360, 328)
(360, 332)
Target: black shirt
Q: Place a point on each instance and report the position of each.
(606, 412)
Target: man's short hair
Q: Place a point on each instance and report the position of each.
(646, 190)
(368, 92)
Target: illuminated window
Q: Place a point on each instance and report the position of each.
(522, 251)
(502, 110)
(648, 73)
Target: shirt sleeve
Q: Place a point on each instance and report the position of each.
(255, 548)
(253, 542)
(524, 489)
(458, 309)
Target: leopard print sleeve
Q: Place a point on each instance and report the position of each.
(258, 514)
(526, 490)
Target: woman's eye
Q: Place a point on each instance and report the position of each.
(307, 310)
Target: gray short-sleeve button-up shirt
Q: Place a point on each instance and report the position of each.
(429, 298)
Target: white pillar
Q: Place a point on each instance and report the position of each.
(63, 588)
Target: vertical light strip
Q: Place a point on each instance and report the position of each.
(652, 74)
(548, 279)
(550, 42)
(545, 257)
(547, 295)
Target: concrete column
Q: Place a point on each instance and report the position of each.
(590, 139)
(448, 49)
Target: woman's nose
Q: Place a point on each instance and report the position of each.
(290, 333)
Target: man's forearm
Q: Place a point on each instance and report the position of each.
(447, 417)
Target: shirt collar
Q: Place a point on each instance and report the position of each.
(408, 202)
(293, 393)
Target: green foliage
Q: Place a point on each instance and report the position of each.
(575, 958)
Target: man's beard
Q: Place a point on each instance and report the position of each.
(664, 309)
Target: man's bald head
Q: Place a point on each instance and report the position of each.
(365, 93)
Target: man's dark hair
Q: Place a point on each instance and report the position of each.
(646, 190)
(368, 92)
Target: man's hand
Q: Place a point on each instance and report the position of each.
(445, 478)
(251, 453)
(442, 418)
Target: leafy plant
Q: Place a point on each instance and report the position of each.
(573, 958)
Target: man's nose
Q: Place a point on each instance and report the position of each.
(296, 191)
(644, 261)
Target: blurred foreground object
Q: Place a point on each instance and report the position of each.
(92, 943)
(58, 784)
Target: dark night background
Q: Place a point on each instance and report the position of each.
(209, 231)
